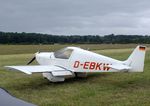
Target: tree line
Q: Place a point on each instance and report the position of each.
(37, 38)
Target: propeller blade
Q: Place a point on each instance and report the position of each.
(31, 61)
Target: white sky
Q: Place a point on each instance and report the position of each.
(76, 16)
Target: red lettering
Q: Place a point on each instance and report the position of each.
(86, 64)
(106, 67)
(92, 65)
(76, 64)
(98, 66)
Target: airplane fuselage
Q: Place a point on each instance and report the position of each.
(79, 61)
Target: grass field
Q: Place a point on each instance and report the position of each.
(98, 89)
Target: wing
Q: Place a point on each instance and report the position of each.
(55, 70)
(119, 67)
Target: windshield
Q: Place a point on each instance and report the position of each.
(63, 53)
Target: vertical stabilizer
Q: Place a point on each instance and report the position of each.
(136, 59)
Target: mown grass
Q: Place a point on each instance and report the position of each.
(26, 49)
(98, 89)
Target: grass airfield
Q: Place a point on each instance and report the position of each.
(98, 89)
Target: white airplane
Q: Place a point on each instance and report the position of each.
(74, 61)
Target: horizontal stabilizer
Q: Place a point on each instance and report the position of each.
(119, 67)
(39, 69)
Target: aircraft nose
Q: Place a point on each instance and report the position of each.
(43, 57)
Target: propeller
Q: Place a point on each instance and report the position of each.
(31, 60)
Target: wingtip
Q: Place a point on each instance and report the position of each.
(13, 68)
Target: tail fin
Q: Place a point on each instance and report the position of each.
(136, 59)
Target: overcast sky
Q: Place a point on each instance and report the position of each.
(76, 16)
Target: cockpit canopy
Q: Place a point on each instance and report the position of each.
(64, 53)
